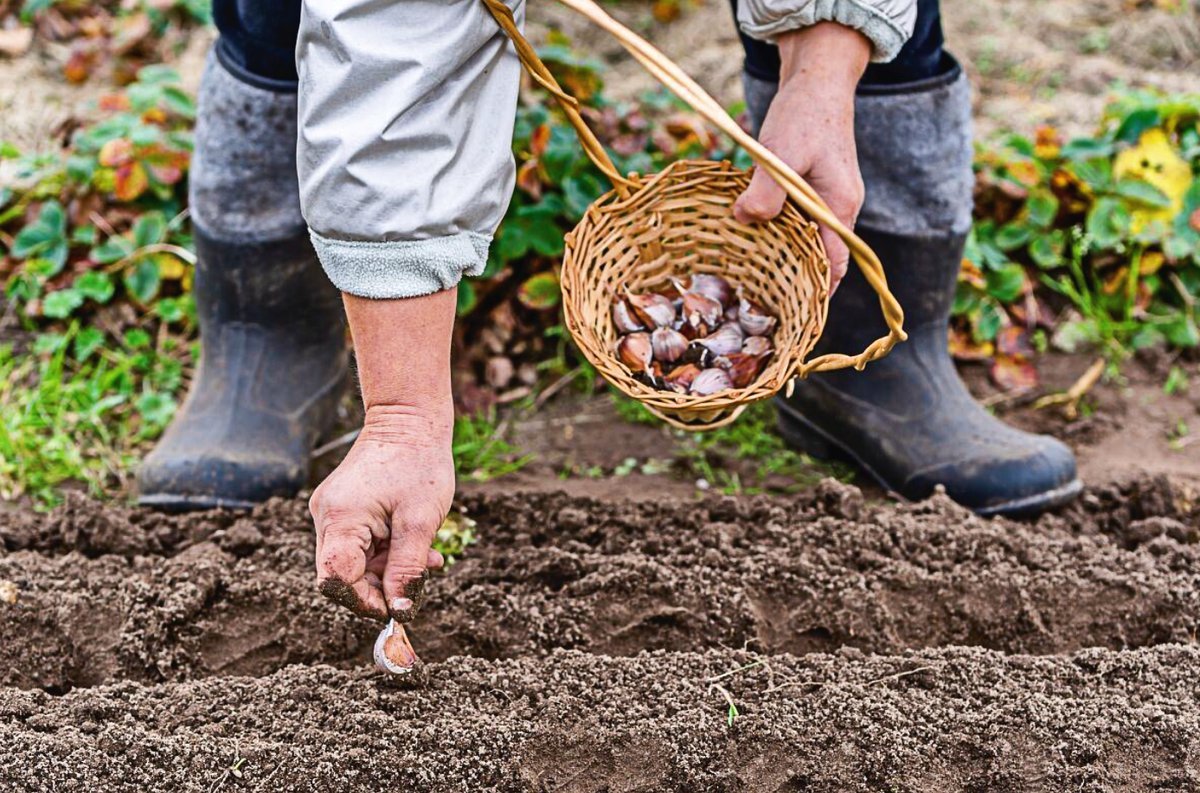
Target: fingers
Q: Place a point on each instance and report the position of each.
(761, 201)
(409, 557)
(839, 257)
(344, 544)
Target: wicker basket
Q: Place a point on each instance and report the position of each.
(680, 221)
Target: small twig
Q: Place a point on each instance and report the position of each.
(267, 778)
(739, 670)
(899, 675)
(338, 442)
(102, 224)
(555, 387)
(1069, 399)
(161, 247)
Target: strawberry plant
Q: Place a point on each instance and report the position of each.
(1093, 241)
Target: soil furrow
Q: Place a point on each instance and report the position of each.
(810, 575)
(935, 720)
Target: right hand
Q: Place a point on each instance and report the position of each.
(376, 515)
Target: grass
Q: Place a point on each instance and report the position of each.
(80, 408)
(739, 458)
(480, 451)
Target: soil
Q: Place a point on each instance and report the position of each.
(590, 644)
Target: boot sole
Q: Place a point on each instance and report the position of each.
(809, 439)
(168, 502)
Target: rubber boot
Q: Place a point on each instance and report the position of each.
(907, 419)
(273, 360)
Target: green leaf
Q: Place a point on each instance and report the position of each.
(61, 304)
(1096, 173)
(80, 167)
(989, 322)
(137, 339)
(155, 408)
(540, 292)
(112, 249)
(467, 298)
(1142, 192)
(1075, 335)
(87, 341)
(1182, 332)
(95, 285)
(1007, 283)
(1042, 208)
(149, 229)
(84, 235)
(157, 74)
(1012, 236)
(1137, 122)
(1108, 222)
(177, 101)
(1086, 149)
(1046, 250)
(142, 280)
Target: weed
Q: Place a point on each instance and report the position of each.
(751, 441)
(480, 450)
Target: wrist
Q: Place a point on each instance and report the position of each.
(827, 57)
(425, 423)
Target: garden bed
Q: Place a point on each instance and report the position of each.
(827, 640)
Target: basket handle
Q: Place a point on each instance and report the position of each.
(679, 83)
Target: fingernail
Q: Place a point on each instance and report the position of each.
(412, 599)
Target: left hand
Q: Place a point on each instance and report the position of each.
(810, 126)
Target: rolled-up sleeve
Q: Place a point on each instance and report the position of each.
(405, 147)
(887, 23)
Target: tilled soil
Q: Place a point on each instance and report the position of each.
(598, 645)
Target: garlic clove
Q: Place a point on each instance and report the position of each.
(710, 381)
(635, 351)
(754, 319)
(393, 651)
(668, 345)
(683, 376)
(712, 286)
(653, 311)
(699, 309)
(724, 341)
(733, 327)
(731, 313)
(757, 345)
(743, 369)
(623, 318)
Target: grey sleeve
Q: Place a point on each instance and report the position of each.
(887, 23)
(404, 153)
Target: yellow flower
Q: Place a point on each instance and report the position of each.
(1154, 161)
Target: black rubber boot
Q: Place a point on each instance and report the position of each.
(907, 419)
(273, 359)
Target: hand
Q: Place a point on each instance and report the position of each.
(376, 515)
(810, 126)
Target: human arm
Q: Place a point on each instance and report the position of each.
(377, 513)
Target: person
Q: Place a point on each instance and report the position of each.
(372, 140)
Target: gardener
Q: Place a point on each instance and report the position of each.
(405, 114)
